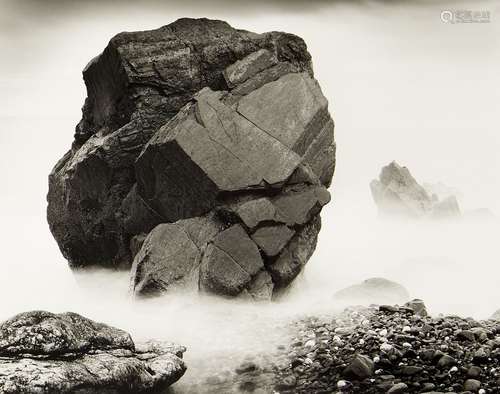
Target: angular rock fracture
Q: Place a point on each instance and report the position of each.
(201, 162)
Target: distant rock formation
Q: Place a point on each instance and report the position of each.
(42, 352)
(203, 156)
(446, 208)
(480, 214)
(373, 291)
(442, 191)
(397, 193)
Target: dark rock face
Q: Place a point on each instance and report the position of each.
(41, 352)
(360, 367)
(417, 306)
(397, 193)
(230, 262)
(171, 254)
(204, 152)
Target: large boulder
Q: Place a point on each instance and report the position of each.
(397, 193)
(193, 136)
(42, 352)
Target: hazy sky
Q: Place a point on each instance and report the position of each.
(401, 84)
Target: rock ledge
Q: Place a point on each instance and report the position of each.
(42, 352)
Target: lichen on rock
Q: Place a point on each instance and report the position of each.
(43, 352)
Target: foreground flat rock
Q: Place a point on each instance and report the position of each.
(42, 352)
(44, 333)
(397, 193)
(193, 136)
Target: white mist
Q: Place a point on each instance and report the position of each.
(402, 86)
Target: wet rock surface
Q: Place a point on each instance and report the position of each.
(383, 349)
(42, 352)
(195, 136)
(397, 193)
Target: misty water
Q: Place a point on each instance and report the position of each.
(401, 85)
(452, 265)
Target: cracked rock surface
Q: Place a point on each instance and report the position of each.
(202, 161)
(42, 352)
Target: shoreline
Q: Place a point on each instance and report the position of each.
(382, 349)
